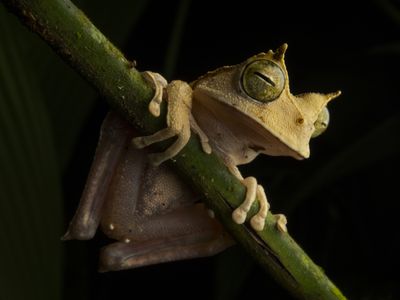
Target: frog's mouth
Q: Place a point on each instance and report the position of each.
(252, 133)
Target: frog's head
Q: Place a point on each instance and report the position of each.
(259, 89)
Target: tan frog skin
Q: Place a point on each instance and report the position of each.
(238, 112)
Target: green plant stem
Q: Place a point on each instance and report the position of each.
(69, 32)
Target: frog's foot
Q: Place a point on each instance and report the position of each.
(239, 214)
(158, 82)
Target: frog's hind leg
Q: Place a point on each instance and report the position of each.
(190, 231)
(114, 136)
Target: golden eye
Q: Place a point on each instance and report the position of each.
(321, 123)
(263, 80)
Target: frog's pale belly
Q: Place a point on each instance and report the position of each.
(234, 135)
(225, 143)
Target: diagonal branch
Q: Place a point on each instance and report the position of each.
(69, 32)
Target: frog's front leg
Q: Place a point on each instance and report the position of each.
(254, 191)
(179, 119)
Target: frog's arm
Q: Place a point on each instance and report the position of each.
(179, 118)
(178, 122)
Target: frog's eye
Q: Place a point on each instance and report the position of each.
(321, 123)
(263, 80)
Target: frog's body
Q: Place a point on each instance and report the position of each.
(151, 212)
(238, 112)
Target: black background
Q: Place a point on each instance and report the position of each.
(341, 203)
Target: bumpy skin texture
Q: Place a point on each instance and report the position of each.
(239, 112)
(151, 213)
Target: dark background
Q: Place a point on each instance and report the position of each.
(342, 203)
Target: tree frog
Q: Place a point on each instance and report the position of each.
(237, 112)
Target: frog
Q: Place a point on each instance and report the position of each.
(237, 112)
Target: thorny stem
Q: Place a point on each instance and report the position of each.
(70, 33)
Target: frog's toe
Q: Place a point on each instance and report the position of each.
(239, 215)
(206, 147)
(139, 142)
(281, 222)
(158, 83)
(154, 108)
(257, 222)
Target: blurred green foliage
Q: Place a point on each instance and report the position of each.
(43, 107)
(31, 201)
(342, 203)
